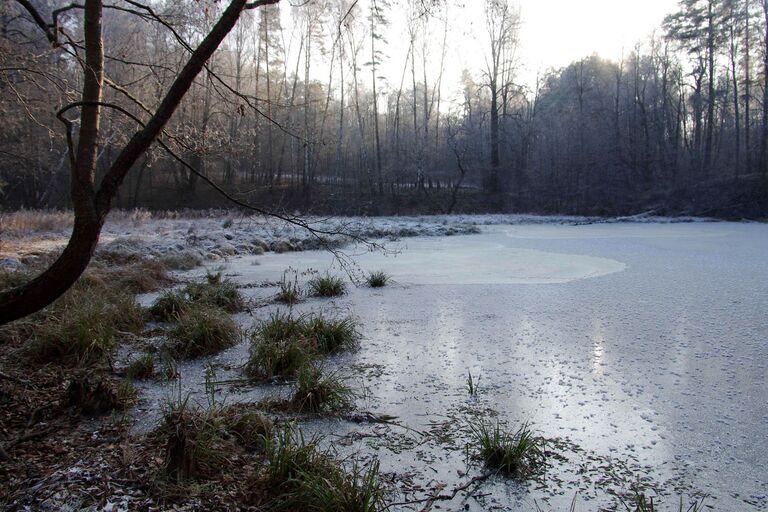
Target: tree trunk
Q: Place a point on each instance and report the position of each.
(711, 87)
(764, 139)
(91, 207)
(747, 72)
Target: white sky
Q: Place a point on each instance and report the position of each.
(557, 32)
(553, 34)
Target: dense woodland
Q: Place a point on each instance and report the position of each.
(292, 112)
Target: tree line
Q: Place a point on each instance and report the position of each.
(293, 111)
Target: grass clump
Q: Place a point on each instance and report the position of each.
(317, 391)
(194, 442)
(216, 292)
(126, 395)
(139, 276)
(639, 502)
(251, 428)
(212, 293)
(169, 306)
(278, 348)
(141, 368)
(517, 454)
(290, 292)
(290, 455)
(282, 344)
(308, 479)
(13, 278)
(81, 328)
(182, 261)
(96, 396)
(378, 279)
(331, 335)
(358, 489)
(327, 286)
(202, 331)
(473, 384)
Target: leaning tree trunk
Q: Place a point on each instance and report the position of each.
(91, 205)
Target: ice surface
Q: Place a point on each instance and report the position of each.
(644, 343)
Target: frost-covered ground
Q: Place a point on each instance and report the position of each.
(221, 235)
(639, 349)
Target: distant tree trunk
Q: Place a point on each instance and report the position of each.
(307, 101)
(379, 172)
(711, 87)
(747, 98)
(764, 140)
(340, 168)
(736, 116)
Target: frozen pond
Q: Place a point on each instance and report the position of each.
(642, 348)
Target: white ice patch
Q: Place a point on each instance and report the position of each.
(480, 259)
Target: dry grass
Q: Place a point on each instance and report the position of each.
(81, 328)
(318, 391)
(185, 260)
(23, 222)
(133, 277)
(199, 442)
(26, 222)
(202, 331)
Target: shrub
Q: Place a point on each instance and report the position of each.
(327, 286)
(377, 279)
(202, 331)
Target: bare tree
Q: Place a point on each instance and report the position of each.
(502, 23)
(92, 202)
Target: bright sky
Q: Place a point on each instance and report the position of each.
(557, 32)
(553, 34)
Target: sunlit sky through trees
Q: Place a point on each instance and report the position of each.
(553, 33)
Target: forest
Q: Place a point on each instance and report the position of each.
(292, 112)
